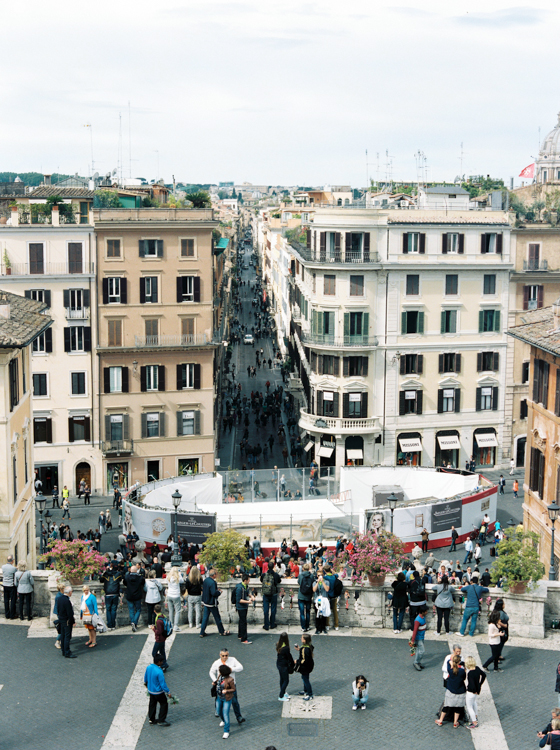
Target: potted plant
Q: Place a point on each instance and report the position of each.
(7, 264)
(374, 555)
(517, 562)
(73, 560)
(224, 550)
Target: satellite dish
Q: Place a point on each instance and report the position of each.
(108, 176)
(114, 172)
(96, 176)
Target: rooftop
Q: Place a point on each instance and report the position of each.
(21, 320)
(48, 191)
(538, 329)
(446, 190)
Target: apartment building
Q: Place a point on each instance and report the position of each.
(398, 332)
(21, 322)
(51, 260)
(155, 291)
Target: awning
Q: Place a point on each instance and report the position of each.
(309, 445)
(449, 442)
(486, 439)
(410, 445)
(325, 452)
(354, 453)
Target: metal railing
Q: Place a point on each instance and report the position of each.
(117, 446)
(190, 339)
(48, 269)
(319, 256)
(326, 339)
(81, 314)
(534, 264)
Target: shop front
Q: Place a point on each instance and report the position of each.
(327, 451)
(447, 448)
(409, 449)
(485, 443)
(354, 446)
(117, 476)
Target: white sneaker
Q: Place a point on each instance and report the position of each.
(363, 706)
(57, 644)
(191, 626)
(327, 628)
(461, 635)
(221, 723)
(336, 628)
(225, 735)
(437, 635)
(354, 708)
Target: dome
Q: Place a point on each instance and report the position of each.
(550, 145)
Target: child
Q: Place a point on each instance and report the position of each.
(417, 639)
(154, 680)
(360, 688)
(305, 665)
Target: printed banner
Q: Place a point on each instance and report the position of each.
(446, 515)
(158, 525)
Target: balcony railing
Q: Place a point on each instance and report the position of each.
(534, 264)
(325, 339)
(82, 314)
(47, 269)
(117, 446)
(192, 339)
(323, 256)
(316, 423)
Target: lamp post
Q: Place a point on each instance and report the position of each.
(40, 502)
(176, 558)
(553, 512)
(392, 500)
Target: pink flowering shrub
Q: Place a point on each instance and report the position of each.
(75, 559)
(375, 555)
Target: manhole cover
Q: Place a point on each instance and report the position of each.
(310, 729)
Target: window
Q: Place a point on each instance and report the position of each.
(75, 260)
(451, 284)
(523, 409)
(84, 212)
(151, 327)
(14, 383)
(40, 384)
(188, 376)
(354, 405)
(39, 295)
(150, 248)
(487, 362)
(78, 429)
(114, 290)
(449, 321)
(449, 362)
(42, 430)
(412, 285)
(355, 366)
(43, 343)
(412, 364)
(327, 403)
(533, 296)
(148, 289)
(75, 300)
(489, 286)
(412, 322)
(188, 289)
(187, 248)
(153, 424)
(449, 400)
(36, 259)
(15, 485)
(452, 242)
(356, 286)
(329, 286)
(533, 257)
(487, 399)
(23, 374)
(76, 339)
(187, 326)
(491, 243)
(414, 242)
(25, 464)
(152, 372)
(536, 472)
(525, 372)
(322, 325)
(78, 383)
(188, 422)
(540, 382)
(410, 402)
(355, 243)
(115, 330)
(488, 320)
(115, 379)
(329, 365)
(113, 248)
(116, 425)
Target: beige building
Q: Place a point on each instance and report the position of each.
(155, 295)
(21, 322)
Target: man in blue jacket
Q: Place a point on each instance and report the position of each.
(210, 595)
(154, 680)
(473, 592)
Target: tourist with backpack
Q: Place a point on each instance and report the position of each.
(162, 630)
(335, 590)
(242, 601)
(305, 665)
(305, 594)
(416, 595)
(270, 582)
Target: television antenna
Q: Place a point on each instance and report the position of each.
(90, 126)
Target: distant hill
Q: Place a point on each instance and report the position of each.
(31, 178)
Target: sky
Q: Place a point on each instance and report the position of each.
(278, 93)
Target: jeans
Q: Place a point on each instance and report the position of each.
(206, 612)
(234, 705)
(160, 698)
(151, 614)
(304, 614)
(495, 656)
(307, 685)
(419, 651)
(443, 613)
(334, 610)
(159, 648)
(134, 609)
(66, 512)
(10, 597)
(472, 707)
(467, 614)
(482, 538)
(223, 708)
(270, 602)
(123, 550)
(111, 603)
(453, 546)
(174, 607)
(468, 558)
(424, 545)
(242, 625)
(398, 617)
(284, 680)
(360, 701)
(194, 607)
(25, 601)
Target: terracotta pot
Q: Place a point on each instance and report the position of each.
(518, 587)
(3, 219)
(76, 581)
(8, 271)
(376, 579)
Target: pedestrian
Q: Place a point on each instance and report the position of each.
(512, 466)
(55, 497)
(477, 553)
(305, 665)
(122, 544)
(399, 601)
(552, 739)
(101, 522)
(242, 601)
(455, 693)
(225, 689)
(160, 636)
(501, 484)
(82, 487)
(25, 585)
(425, 540)
(335, 589)
(504, 620)
(321, 602)
(473, 594)
(444, 603)
(235, 666)
(285, 665)
(210, 595)
(88, 608)
(56, 622)
(194, 599)
(134, 590)
(66, 621)
(515, 488)
(417, 596)
(108, 519)
(468, 550)
(116, 497)
(111, 579)
(305, 594)
(10, 588)
(154, 680)
(417, 638)
(360, 690)
(475, 681)
(97, 540)
(65, 507)
(153, 589)
(495, 641)
(174, 581)
(87, 496)
(454, 537)
(270, 580)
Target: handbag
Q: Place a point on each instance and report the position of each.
(214, 691)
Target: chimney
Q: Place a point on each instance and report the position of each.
(55, 216)
(556, 315)
(46, 179)
(4, 307)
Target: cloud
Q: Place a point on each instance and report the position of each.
(506, 18)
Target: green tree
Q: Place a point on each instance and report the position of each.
(106, 199)
(224, 550)
(200, 199)
(233, 193)
(518, 558)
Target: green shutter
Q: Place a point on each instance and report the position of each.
(442, 321)
(403, 323)
(314, 323)
(496, 320)
(421, 322)
(365, 327)
(481, 321)
(453, 322)
(347, 324)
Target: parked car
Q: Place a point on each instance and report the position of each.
(248, 339)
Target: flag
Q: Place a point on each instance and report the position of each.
(528, 171)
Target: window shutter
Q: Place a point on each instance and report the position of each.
(66, 339)
(402, 403)
(336, 367)
(453, 322)
(106, 380)
(478, 398)
(402, 365)
(107, 427)
(540, 296)
(536, 381)
(105, 287)
(87, 429)
(313, 360)
(422, 248)
(495, 399)
(499, 243)
(49, 430)
(85, 294)
(348, 243)
(124, 291)
(179, 377)
(142, 289)
(347, 324)
(557, 402)
(444, 243)
(337, 238)
(154, 289)
(403, 323)
(335, 404)
(457, 400)
(496, 320)
(440, 401)
(196, 378)
(144, 419)
(308, 239)
(405, 243)
(480, 321)
(28, 293)
(366, 246)
(365, 361)
(162, 424)
(124, 379)
(496, 361)
(479, 362)
(420, 322)
(419, 400)
(160, 248)
(545, 385)
(179, 423)
(319, 364)
(143, 379)
(420, 364)
(345, 367)
(48, 340)
(197, 428)
(161, 377)
(363, 410)
(141, 248)
(345, 405)
(179, 288)
(320, 403)
(365, 327)
(196, 288)
(70, 430)
(66, 298)
(126, 427)
(461, 248)
(457, 363)
(323, 243)
(440, 363)
(87, 338)
(483, 243)
(442, 321)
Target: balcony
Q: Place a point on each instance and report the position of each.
(337, 425)
(192, 339)
(117, 447)
(47, 269)
(318, 256)
(82, 314)
(327, 340)
(534, 264)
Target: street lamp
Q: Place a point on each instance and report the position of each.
(553, 512)
(40, 502)
(176, 558)
(392, 500)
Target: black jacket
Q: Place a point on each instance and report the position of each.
(111, 580)
(158, 568)
(400, 594)
(134, 583)
(193, 589)
(284, 659)
(65, 611)
(305, 662)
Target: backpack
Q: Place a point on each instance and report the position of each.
(233, 597)
(167, 626)
(338, 587)
(268, 584)
(306, 587)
